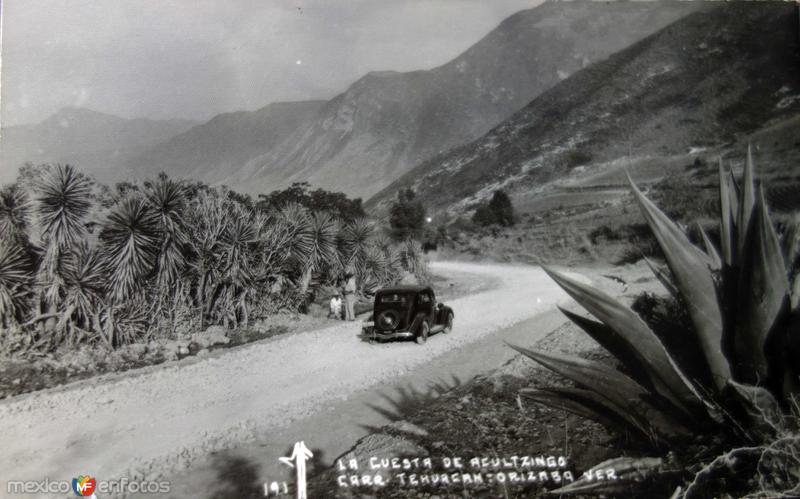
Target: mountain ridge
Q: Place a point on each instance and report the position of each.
(207, 150)
(386, 122)
(699, 82)
(96, 142)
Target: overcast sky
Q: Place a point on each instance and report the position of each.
(196, 58)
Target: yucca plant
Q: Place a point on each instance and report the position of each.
(208, 216)
(413, 259)
(740, 399)
(14, 283)
(318, 247)
(238, 245)
(14, 214)
(355, 240)
(62, 204)
(130, 241)
(167, 198)
(84, 288)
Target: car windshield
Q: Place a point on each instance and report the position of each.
(400, 298)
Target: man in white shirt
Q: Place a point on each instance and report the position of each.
(350, 296)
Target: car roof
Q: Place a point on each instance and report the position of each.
(408, 288)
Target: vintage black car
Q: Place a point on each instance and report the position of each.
(406, 312)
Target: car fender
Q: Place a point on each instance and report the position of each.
(442, 314)
(415, 325)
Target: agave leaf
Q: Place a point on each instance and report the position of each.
(608, 383)
(748, 202)
(612, 342)
(727, 231)
(711, 250)
(763, 293)
(663, 278)
(627, 470)
(663, 376)
(586, 404)
(611, 388)
(690, 269)
(562, 398)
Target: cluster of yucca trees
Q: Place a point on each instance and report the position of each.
(718, 390)
(80, 263)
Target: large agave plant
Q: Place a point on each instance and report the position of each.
(744, 328)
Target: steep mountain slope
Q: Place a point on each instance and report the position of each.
(97, 143)
(702, 82)
(387, 122)
(210, 151)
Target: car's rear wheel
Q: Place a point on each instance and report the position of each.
(448, 323)
(387, 320)
(422, 334)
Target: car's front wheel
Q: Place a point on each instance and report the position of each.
(422, 334)
(448, 323)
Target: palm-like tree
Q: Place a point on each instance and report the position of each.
(14, 283)
(14, 214)
(207, 218)
(298, 224)
(239, 241)
(63, 202)
(412, 257)
(321, 250)
(167, 198)
(84, 288)
(381, 266)
(355, 243)
(130, 241)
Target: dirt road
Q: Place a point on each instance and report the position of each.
(156, 422)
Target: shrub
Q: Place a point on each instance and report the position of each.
(335, 203)
(498, 211)
(576, 158)
(407, 216)
(718, 382)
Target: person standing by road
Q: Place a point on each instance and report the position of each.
(335, 307)
(350, 296)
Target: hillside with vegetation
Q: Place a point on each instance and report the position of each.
(665, 108)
